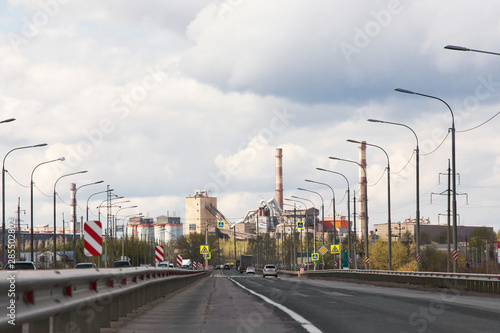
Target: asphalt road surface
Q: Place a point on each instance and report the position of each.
(231, 302)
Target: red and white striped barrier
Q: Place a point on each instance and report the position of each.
(92, 238)
(159, 253)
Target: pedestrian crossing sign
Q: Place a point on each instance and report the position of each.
(300, 224)
(315, 256)
(204, 249)
(335, 249)
(220, 224)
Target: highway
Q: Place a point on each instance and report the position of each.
(230, 302)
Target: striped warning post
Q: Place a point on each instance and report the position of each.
(159, 253)
(92, 238)
(179, 260)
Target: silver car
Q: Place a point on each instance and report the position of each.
(270, 270)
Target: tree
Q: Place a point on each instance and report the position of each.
(189, 246)
(480, 237)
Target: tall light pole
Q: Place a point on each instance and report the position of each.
(461, 48)
(106, 233)
(322, 210)
(307, 235)
(74, 219)
(366, 205)
(453, 169)
(55, 194)
(87, 210)
(314, 219)
(116, 223)
(3, 192)
(389, 227)
(31, 202)
(348, 207)
(333, 205)
(417, 186)
(126, 233)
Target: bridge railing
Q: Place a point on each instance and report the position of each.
(82, 300)
(487, 283)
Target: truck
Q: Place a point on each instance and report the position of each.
(245, 262)
(187, 264)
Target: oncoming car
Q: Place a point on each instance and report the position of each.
(270, 270)
(85, 265)
(122, 263)
(250, 270)
(20, 265)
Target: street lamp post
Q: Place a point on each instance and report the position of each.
(322, 211)
(87, 209)
(116, 227)
(107, 230)
(453, 167)
(31, 203)
(307, 232)
(389, 228)
(333, 204)
(461, 48)
(366, 204)
(74, 219)
(417, 185)
(3, 191)
(348, 208)
(314, 223)
(55, 194)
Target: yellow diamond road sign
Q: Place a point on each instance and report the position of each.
(204, 249)
(323, 250)
(335, 249)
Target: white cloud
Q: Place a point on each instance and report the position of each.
(164, 99)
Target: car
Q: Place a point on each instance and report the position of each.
(250, 270)
(226, 267)
(85, 265)
(122, 263)
(20, 265)
(270, 270)
(165, 264)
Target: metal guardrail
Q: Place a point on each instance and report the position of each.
(487, 283)
(82, 300)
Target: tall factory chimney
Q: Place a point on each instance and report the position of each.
(279, 177)
(363, 221)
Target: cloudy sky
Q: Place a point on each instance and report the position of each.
(163, 98)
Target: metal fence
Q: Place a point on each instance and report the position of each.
(82, 300)
(486, 283)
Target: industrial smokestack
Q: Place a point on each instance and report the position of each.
(279, 177)
(363, 222)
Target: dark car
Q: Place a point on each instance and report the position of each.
(122, 263)
(226, 267)
(85, 265)
(20, 265)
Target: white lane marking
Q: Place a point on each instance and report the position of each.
(308, 326)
